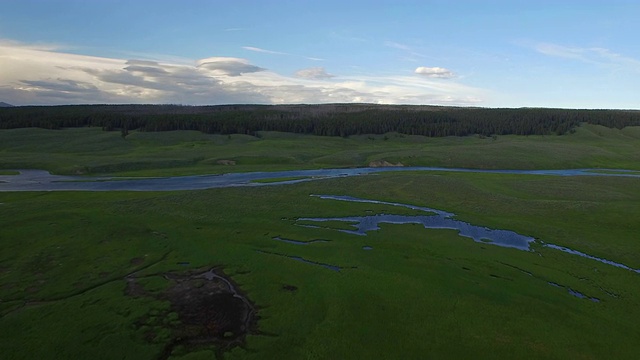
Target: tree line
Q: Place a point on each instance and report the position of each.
(324, 120)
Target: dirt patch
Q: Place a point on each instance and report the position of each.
(208, 307)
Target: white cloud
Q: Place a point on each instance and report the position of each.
(315, 73)
(37, 76)
(434, 72)
(228, 66)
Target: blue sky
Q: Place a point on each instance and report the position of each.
(570, 54)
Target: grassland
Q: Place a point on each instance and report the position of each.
(417, 293)
(65, 257)
(93, 151)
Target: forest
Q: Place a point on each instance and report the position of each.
(323, 120)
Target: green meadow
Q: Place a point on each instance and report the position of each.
(67, 258)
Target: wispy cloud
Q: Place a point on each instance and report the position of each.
(434, 72)
(265, 51)
(411, 53)
(396, 45)
(592, 55)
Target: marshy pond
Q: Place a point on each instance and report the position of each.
(432, 219)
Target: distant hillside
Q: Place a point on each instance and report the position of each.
(324, 120)
(4, 104)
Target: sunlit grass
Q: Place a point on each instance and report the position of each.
(93, 151)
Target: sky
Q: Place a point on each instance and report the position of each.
(486, 53)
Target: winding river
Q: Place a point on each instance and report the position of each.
(40, 180)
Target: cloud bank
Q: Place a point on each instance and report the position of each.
(44, 76)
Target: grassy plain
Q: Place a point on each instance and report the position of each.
(64, 256)
(419, 293)
(93, 151)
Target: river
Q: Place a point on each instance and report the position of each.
(40, 180)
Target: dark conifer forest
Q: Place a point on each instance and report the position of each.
(324, 120)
